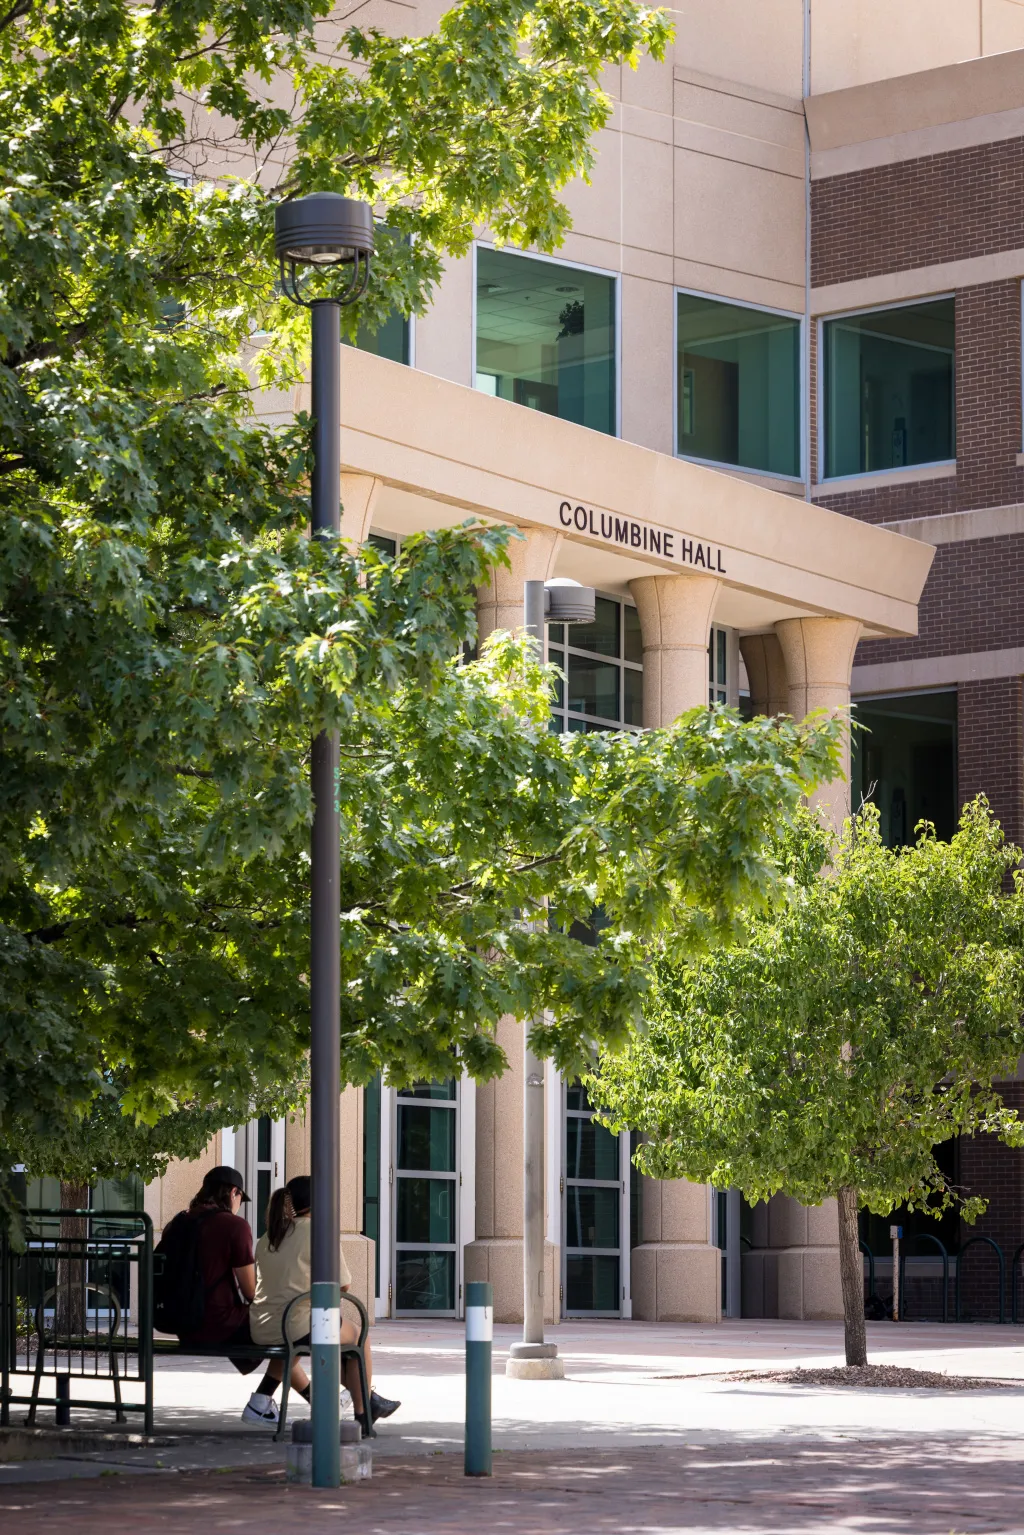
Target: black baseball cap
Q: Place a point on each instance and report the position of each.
(227, 1175)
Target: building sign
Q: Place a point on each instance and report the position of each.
(642, 537)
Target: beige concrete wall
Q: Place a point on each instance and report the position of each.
(165, 1196)
(855, 41)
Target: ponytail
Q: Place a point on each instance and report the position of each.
(280, 1218)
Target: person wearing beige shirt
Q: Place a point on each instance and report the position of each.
(283, 1268)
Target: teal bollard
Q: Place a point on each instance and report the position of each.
(479, 1330)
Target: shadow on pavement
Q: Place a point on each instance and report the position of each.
(934, 1487)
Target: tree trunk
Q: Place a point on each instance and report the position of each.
(851, 1271)
(70, 1306)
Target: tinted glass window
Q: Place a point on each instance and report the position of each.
(545, 337)
(889, 388)
(738, 387)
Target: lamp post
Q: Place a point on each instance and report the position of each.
(325, 230)
(555, 602)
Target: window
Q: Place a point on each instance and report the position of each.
(888, 379)
(426, 1198)
(593, 1210)
(371, 1172)
(904, 760)
(391, 340)
(738, 387)
(602, 664)
(545, 337)
(718, 667)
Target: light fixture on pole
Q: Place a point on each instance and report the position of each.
(325, 230)
(560, 601)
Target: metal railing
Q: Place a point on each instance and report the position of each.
(77, 1304)
(989, 1242)
(926, 1236)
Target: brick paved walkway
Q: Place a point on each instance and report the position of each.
(931, 1488)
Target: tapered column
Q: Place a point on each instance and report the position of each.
(795, 1274)
(496, 1255)
(766, 673)
(675, 619)
(676, 1269)
(819, 653)
(499, 604)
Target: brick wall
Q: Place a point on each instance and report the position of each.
(995, 1171)
(973, 600)
(892, 218)
(990, 734)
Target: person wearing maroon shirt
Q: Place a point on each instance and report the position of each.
(226, 1260)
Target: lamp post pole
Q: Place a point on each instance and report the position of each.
(325, 950)
(325, 230)
(541, 1358)
(533, 1359)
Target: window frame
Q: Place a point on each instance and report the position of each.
(590, 722)
(568, 266)
(905, 471)
(803, 391)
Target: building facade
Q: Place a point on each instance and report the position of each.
(766, 397)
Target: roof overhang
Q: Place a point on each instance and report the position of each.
(443, 452)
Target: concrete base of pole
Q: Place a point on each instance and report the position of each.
(534, 1361)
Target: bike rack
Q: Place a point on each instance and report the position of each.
(926, 1236)
(869, 1255)
(1013, 1282)
(990, 1242)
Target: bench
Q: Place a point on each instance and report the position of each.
(113, 1345)
(287, 1350)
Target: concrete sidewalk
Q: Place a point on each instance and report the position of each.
(646, 1433)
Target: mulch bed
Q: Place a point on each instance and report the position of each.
(893, 1376)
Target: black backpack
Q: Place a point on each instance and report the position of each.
(179, 1288)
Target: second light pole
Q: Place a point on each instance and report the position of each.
(555, 602)
(325, 230)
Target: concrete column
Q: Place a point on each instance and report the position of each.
(359, 496)
(500, 602)
(675, 619)
(496, 1256)
(676, 1270)
(819, 653)
(766, 673)
(796, 1274)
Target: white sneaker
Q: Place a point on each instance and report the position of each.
(260, 1409)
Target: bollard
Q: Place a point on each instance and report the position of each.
(479, 1330)
(895, 1233)
(62, 1416)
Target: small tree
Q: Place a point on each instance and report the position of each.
(858, 1027)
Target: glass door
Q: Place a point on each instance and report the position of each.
(592, 1248)
(262, 1168)
(426, 1197)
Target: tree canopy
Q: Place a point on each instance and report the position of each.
(863, 1022)
(170, 638)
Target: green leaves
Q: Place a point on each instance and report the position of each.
(860, 1024)
(170, 639)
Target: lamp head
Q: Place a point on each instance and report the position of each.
(567, 602)
(323, 230)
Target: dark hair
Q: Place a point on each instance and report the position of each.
(280, 1218)
(214, 1192)
(299, 1193)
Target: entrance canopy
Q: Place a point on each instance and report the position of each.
(437, 453)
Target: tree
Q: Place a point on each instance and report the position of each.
(171, 638)
(861, 1024)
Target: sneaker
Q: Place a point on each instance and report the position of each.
(260, 1409)
(382, 1406)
